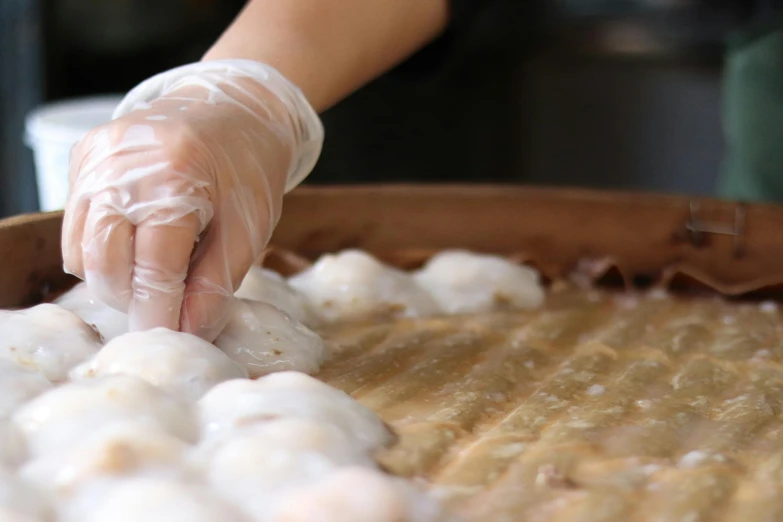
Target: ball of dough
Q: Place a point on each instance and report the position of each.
(122, 448)
(182, 364)
(354, 286)
(264, 340)
(7, 515)
(148, 499)
(65, 415)
(464, 282)
(280, 452)
(18, 385)
(13, 449)
(20, 499)
(270, 287)
(355, 494)
(240, 403)
(46, 338)
(109, 322)
(253, 467)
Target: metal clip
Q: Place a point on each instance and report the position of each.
(696, 228)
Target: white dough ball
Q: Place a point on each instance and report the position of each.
(264, 340)
(18, 498)
(253, 467)
(65, 415)
(353, 286)
(355, 494)
(13, 449)
(270, 287)
(182, 364)
(148, 499)
(18, 385)
(109, 322)
(46, 338)
(7, 515)
(123, 448)
(282, 451)
(240, 403)
(465, 282)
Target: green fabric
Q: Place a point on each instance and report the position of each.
(753, 115)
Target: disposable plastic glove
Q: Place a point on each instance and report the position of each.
(172, 201)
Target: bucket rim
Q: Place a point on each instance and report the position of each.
(51, 122)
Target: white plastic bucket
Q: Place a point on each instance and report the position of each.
(51, 131)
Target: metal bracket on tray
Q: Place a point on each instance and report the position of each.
(696, 228)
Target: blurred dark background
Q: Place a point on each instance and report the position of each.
(601, 93)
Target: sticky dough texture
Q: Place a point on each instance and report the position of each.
(161, 425)
(259, 284)
(7, 515)
(18, 385)
(264, 339)
(270, 287)
(114, 448)
(180, 363)
(121, 449)
(150, 499)
(109, 322)
(65, 415)
(466, 282)
(18, 499)
(292, 456)
(253, 467)
(354, 286)
(264, 333)
(13, 448)
(355, 494)
(46, 338)
(236, 404)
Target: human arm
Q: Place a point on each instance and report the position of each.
(331, 48)
(172, 201)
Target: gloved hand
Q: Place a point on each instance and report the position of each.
(172, 201)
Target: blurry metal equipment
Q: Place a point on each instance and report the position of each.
(643, 28)
(121, 26)
(20, 91)
(99, 46)
(54, 49)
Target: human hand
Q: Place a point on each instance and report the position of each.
(171, 202)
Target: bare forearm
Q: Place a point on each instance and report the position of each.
(330, 48)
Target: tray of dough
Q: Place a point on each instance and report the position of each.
(642, 381)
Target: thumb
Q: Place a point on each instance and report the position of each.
(162, 256)
(218, 267)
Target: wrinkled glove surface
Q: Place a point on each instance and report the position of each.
(172, 201)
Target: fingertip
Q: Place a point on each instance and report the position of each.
(154, 308)
(206, 313)
(160, 267)
(72, 235)
(107, 257)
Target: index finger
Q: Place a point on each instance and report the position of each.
(162, 257)
(77, 208)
